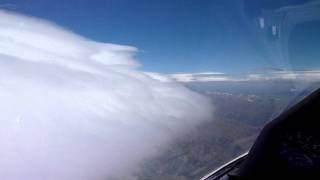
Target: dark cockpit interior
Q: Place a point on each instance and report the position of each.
(288, 147)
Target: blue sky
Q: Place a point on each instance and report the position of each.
(172, 35)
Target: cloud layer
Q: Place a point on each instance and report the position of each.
(72, 108)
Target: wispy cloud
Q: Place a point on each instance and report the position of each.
(201, 76)
(8, 6)
(272, 75)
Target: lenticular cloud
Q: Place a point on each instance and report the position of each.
(72, 108)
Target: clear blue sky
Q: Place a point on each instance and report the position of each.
(172, 35)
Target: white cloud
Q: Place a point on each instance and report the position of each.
(72, 108)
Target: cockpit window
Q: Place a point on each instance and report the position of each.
(127, 89)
